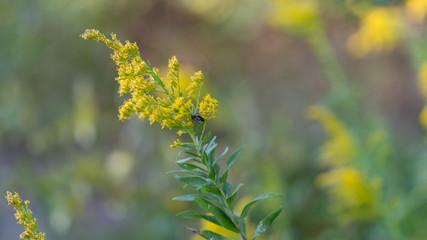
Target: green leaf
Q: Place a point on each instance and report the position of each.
(188, 197)
(189, 214)
(189, 159)
(264, 224)
(226, 187)
(220, 156)
(189, 166)
(237, 188)
(219, 214)
(189, 153)
(211, 155)
(216, 170)
(233, 157)
(208, 147)
(207, 137)
(191, 172)
(189, 146)
(242, 225)
(230, 200)
(209, 189)
(224, 177)
(248, 206)
(212, 236)
(200, 127)
(192, 181)
(195, 215)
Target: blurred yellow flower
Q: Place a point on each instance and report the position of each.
(353, 196)
(423, 118)
(300, 15)
(423, 79)
(423, 88)
(340, 147)
(380, 30)
(416, 10)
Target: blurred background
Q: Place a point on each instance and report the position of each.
(329, 97)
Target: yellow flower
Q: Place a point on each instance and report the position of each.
(340, 147)
(300, 15)
(174, 72)
(423, 79)
(208, 107)
(150, 97)
(195, 86)
(416, 10)
(176, 143)
(380, 30)
(423, 118)
(353, 196)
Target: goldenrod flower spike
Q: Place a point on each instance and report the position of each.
(25, 217)
(174, 74)
(195, 86)
(150, 97)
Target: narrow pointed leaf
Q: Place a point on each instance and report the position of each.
(191, 172)
(209, 189)
(192, 181)
(189, 197)
(248, 206)
(187, 152)
(224, 177)
(219, 214)
(189, 166)
(189, 214)
(206, 234)
(226, 187)
(207, 137)
(195, 215)
(233, 157)
(220, 156)
(264, 224)
(189, 159)
(230, 200)
(242, 225)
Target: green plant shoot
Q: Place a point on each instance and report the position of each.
(163, 101)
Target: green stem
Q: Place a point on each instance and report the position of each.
(226, 207)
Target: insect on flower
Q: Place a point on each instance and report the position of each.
(197, 118)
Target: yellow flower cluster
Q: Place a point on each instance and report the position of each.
(25, 217)
(174, 72)
(423, 79)
(299, 15)
(423, 88)
(353, 196)
(416, 10)
(381, 29)
(150, 97)
(196, 85)
(341, 147)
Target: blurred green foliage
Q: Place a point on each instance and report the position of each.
(89, 176)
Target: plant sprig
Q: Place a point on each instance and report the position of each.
(188, 113)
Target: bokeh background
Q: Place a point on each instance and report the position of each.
(329, 97)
